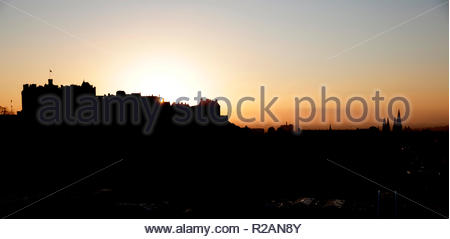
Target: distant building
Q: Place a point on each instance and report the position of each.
(373, 129)
(397, 126)
(397, 123)
(285, 129)
(386, 127)
(111, 105)
(31, 94)
(210, 110)
(271, 131)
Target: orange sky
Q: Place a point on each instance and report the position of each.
(231, 48)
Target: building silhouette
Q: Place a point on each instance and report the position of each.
(110, 105)
(397, 123)
(31, 94)
(386, 128)
(397, 126)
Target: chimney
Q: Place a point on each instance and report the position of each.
(50, 81)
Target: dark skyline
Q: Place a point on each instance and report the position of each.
(209, 169)
(31, 92)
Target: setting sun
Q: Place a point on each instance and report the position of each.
(165, 76)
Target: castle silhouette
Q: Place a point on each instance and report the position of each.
(205, 112)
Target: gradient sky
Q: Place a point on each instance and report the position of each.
(230, 48)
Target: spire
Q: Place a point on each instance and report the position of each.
(398, 123)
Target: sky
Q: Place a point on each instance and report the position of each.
(231, 48)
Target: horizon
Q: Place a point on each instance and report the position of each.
(265, 127)
(175, 48)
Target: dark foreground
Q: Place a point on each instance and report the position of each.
(220, 172)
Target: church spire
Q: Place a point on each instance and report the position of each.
(398, 123)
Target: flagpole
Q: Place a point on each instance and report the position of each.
(50, 73)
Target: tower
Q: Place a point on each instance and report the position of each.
(397, 123)
(386, 127)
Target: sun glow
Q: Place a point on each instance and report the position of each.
(170, 78)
